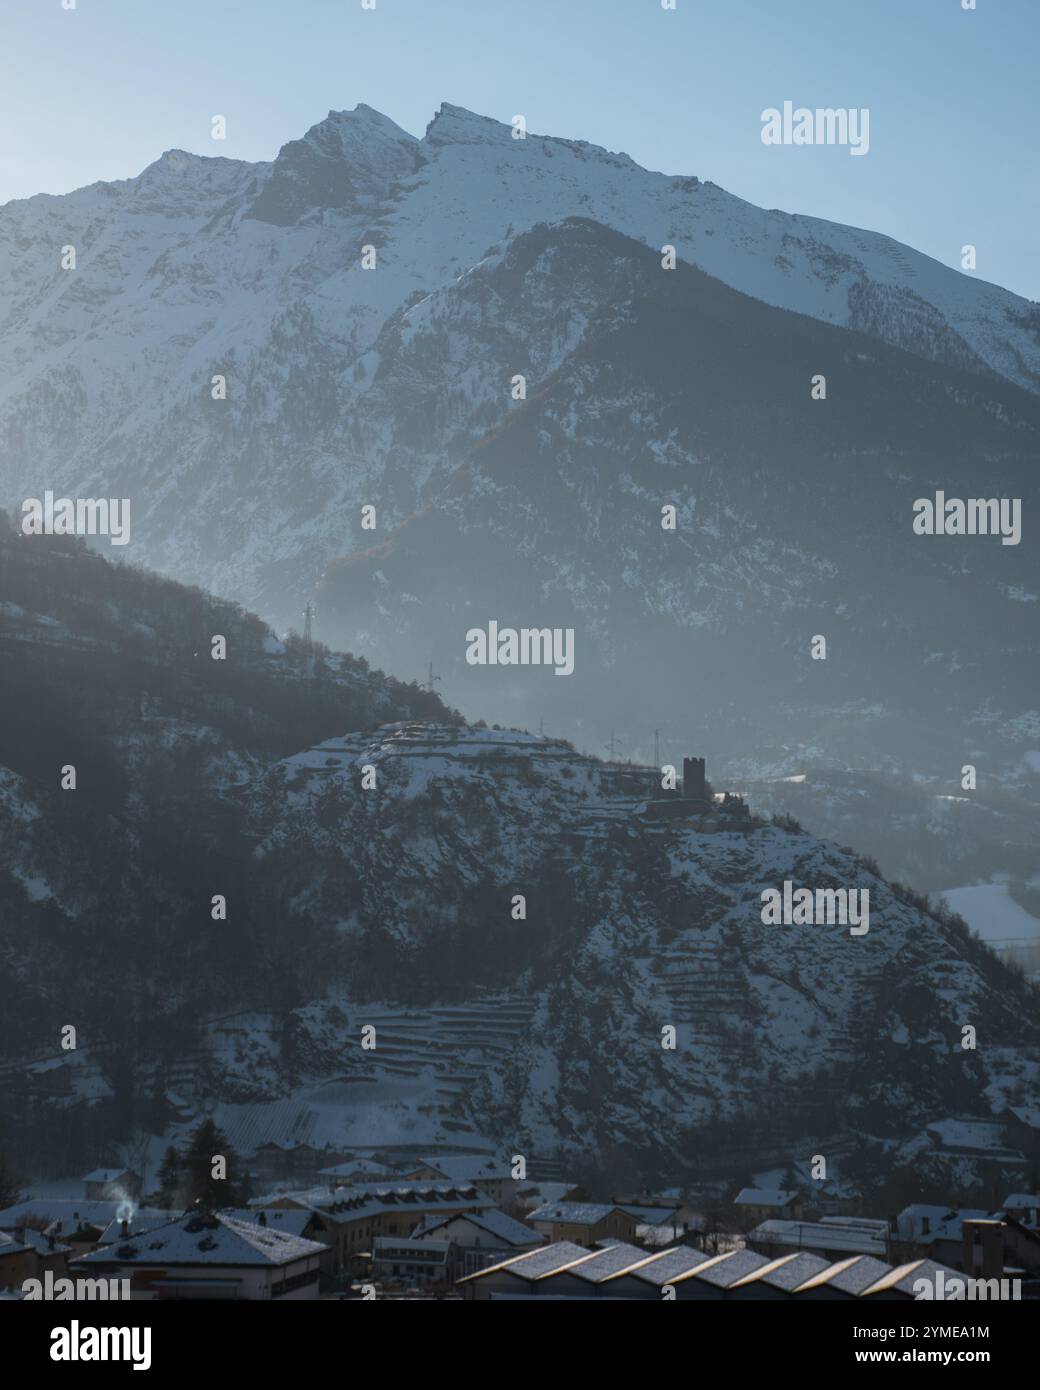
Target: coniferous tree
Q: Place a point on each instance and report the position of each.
(207, 1144)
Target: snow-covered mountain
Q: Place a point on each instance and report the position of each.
(390, 388)
(369, 849)
(207, 266)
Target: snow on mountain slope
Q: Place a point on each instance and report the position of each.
(200, 267)
(543, 1035)
(395, 904)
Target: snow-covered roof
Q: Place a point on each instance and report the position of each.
(1021, 1199)
(494, 1222)
(942, 1223)
(669, 1265)
(109, 1174)
(535, 1264)
(218, 1239)
(649, 1216)
(580, 1213)
(607, 1263)
(355, 1168)
(1027, 1114)
(295, 1220)
(143, 1220)
(764, 1197)
(728, 1269)
(819, 1235)
(41, 1243)
(851, 1276)
(71, 1212)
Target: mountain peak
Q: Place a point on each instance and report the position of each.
(348, 160)
(455, 125)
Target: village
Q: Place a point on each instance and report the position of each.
(463, 1227)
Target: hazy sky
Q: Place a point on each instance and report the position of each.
(100, 91)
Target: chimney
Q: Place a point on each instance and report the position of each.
(124, 1228)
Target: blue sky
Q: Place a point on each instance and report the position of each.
(102, 90)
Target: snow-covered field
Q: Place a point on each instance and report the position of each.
(992, 914)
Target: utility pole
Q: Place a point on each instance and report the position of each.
(541, 727)
(657, 748)
(308, 614)
(430, 678)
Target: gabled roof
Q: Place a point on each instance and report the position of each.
(71, 1212)
(764, 1197)
(496, 1223)
(293, 1220)
(143, 1220)
(823, 1235)
(577, 1213)
(728, 1269)
(196, 1239)
(789, 1272)
(109, 1174)
(608, 1263)
(851, 1276)
(650, 1216)
(535, 1264)
(371, 1199)
(467, 1168)
(669, 1265)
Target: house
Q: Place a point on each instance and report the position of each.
(1024, 1207)
(421, 1171)
(477, 1170)
(480, 1237)
(925, 1230)
(28, 1254)
(413, 1262)
(531, 1194)
(358, 1170)
(656, 1225)
(582, 1222)
(980, 1139)
(210, 1256)
(831, 1236)
(294, 1163)
(356, 1215)
(756, 1204)
(17, 1262)
(112, 1184)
